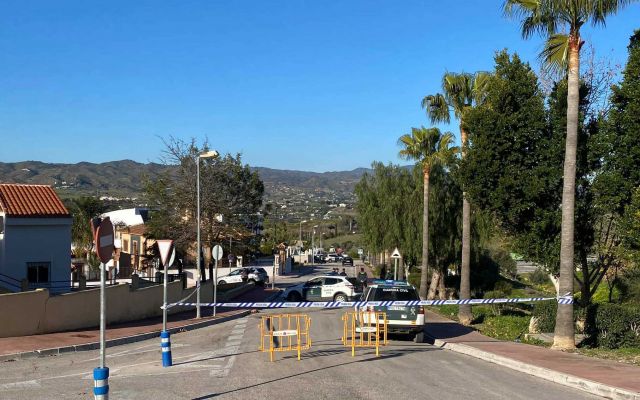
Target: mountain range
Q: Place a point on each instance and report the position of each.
(123, 178)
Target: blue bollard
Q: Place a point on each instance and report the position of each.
(101, 383)
(165, 343)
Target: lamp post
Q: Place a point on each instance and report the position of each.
(301, 222)
(207, 154)
(313, 246)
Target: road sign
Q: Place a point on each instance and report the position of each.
(104, 240)
(396, 254)
(173, 257)
(165, 250)
(216, 252)
(360, 251)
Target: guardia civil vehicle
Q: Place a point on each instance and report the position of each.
(402, 319)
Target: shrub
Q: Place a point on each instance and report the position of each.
(504, 287)
(538, 277)
(496, 309)
(545, 312)
(616, 325)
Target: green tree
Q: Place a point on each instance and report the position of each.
(460, 93)
(429, 147)
(562, 52)
(228, 189)
(82, 210)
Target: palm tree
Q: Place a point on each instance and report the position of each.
(460, 92)
(562, 53)
(429, 147)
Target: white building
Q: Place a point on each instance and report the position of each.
(35, 238)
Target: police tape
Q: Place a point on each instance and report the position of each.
(337, 304)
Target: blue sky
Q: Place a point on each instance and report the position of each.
(308, 85)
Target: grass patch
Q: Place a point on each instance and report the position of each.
(626, 355)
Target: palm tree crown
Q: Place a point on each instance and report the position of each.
(459, 92)
(560, 22)
(428, 146)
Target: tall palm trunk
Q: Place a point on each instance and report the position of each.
(464, 311)
(564, 332)
(425, 236)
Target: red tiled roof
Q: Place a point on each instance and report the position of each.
(138, 229)
(18, 200)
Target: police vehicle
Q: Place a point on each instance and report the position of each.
(400, 318)
(323, 288)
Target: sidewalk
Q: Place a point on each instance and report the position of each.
(601, 377)
(118, 334)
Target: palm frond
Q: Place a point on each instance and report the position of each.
(481, 81)
(458, 88)
(437, 108)
(555, 55)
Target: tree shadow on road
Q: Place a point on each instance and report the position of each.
(388, 354)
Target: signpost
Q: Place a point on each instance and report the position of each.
(103, 240)
(396, 256)
(167, 254)
(216, 253)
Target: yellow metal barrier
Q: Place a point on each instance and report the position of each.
(285, 332)
(364, 329)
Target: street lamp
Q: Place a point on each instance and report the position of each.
(301, 222)
(206, 154)
(313, 235)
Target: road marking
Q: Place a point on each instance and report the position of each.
(231, 348)
(20, 385)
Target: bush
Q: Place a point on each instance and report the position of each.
(539, 277)
(496, 309)
(504, 287)
(615, 325)
(545, 312)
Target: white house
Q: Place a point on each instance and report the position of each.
(35, 238)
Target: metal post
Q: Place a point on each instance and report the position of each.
(395, 269)
(215, 285)
(273, 274)
(199, 249)
(164, 298)
(103, 314)
(101, 374)
(313, 234)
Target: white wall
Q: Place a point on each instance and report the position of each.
(36, 240)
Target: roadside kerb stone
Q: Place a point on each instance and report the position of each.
(561, 378)
(119, 341)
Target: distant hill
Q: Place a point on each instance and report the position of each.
(123, 178)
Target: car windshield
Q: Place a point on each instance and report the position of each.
(261, 270)
(393, 294)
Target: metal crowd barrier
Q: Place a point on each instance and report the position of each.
(285, 332)
(364, 329)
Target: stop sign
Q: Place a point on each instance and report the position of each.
(104, 240)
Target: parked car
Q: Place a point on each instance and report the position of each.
(323, 288)
(347, 261)
(332, 257)
(403, 319)
(319, 259)
(257, 275)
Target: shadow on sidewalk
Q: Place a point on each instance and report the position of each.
(446, 330)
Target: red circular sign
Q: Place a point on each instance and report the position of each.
(104, 240)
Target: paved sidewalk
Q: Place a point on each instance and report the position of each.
(86, 339)
(601, 377)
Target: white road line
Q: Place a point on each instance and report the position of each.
(20, 385)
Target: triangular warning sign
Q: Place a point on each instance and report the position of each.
(396, 254)
(165, 250)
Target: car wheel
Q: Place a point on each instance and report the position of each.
(294, 296)
(221, 282)
(419, 338)
(340, 297)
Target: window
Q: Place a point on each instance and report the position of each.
(331, 281)
(125, 245)
(38, 272)
(393, 294)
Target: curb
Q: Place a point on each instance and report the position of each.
(586, 385)
(118, 341)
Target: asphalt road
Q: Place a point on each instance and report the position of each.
(222, 361)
